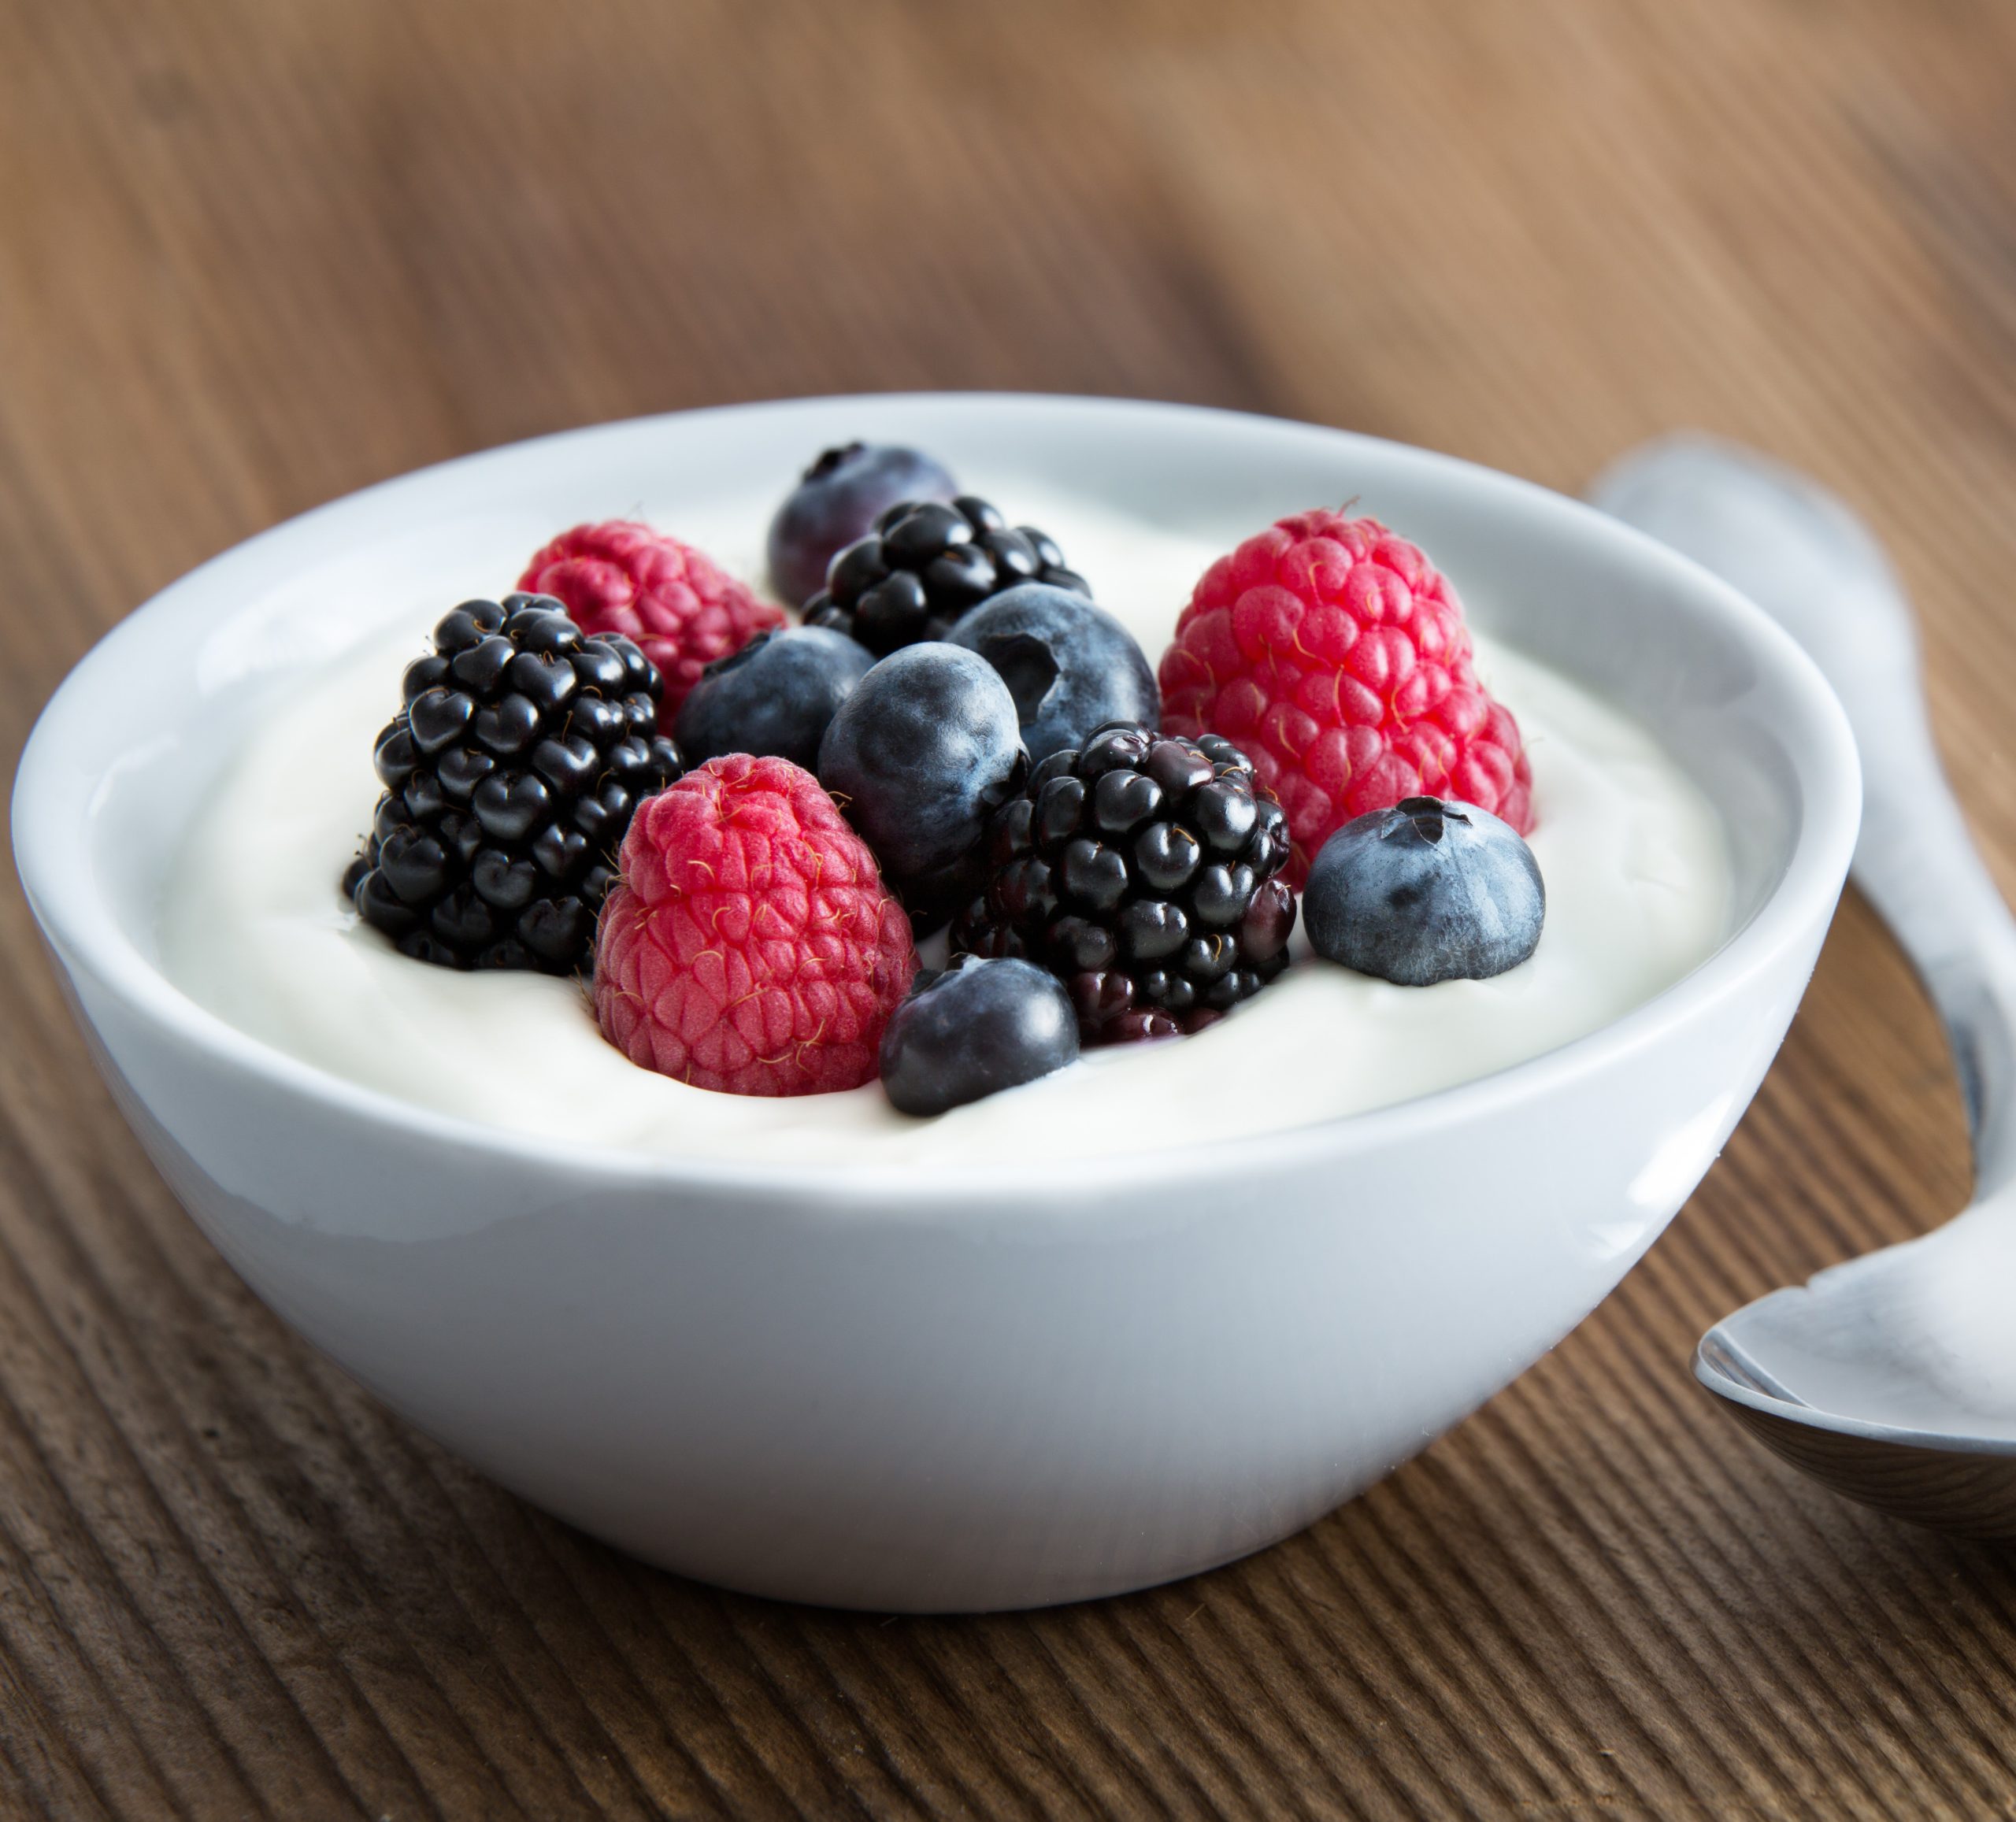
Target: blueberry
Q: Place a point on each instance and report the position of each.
(838, 501)
(774, 696)
(974, 1030)
(1070, 666)
(1427, 891)
(919, 755)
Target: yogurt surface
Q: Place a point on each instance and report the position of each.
(255, 929)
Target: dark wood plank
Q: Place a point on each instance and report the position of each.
(252, 256)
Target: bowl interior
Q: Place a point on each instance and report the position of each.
(132, 743)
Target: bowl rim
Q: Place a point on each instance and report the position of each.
(51, 854)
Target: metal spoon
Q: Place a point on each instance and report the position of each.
(1892, 1378)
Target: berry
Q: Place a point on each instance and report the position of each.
(920, 756)
(1070, 666)
(510, 776)
(1334, 653)
(623, 577)
(836, 500)
(925, 565)
(774, 696)
(749, 945)
(1427, 891)
(978, 1027)
(1141, 869)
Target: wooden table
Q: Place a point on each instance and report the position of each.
(254, 254)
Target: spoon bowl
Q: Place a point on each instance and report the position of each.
(1887, 1376)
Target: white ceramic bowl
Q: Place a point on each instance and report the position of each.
(946, 1390)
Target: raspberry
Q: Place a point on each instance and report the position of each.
(749, 944)
(684, 612)
(1336, 656)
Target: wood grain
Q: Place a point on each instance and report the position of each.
(256, 253)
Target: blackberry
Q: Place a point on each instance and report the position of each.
(1140, 869)
(510, 775)
(925, 565)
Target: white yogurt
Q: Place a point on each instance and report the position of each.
(1637, 883)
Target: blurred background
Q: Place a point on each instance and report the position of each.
(259, 252)
(254, 253)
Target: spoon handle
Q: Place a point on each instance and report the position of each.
(1809, 563)
(1918, 864)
